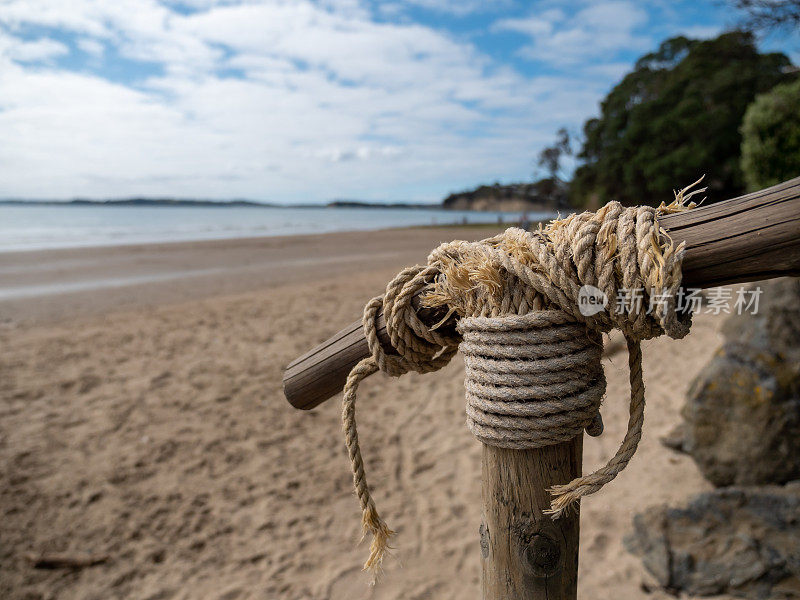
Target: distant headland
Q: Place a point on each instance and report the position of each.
(545, 195)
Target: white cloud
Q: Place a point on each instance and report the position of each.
(91, 46)
(329, 103)
(34, 51)
(597, 31)
(461, 7)
(612, 71)
(83, 16)
(360, 153)
(702, 32)
(542, 24)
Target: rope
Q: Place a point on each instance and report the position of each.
(419, 349)
(533, 371)
(531, 381)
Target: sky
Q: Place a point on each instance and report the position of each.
(308, 101)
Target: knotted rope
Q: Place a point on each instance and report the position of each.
(532, 356)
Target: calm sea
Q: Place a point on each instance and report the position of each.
(31, 227)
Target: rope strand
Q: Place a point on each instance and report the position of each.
(371, 521)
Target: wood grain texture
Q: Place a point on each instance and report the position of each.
(524, 553)
(750, 238)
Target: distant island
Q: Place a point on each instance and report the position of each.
(139, 202)
(546, 195)
(211, 203)
(364, 204)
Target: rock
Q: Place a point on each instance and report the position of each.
(776, 326)
(743, 411)
(739, 541)
(676, 438)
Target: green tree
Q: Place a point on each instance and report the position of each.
(674, 118)
(771, 137)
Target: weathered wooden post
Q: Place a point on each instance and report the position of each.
(524, 553)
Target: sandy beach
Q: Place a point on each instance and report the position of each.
(142, 418)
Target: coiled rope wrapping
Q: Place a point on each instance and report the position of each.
(532, 380)
(533, 371)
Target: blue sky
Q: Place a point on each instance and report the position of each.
(306, 101)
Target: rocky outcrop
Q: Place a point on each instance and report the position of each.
(742, 415)
(739, 541)
(545, 195)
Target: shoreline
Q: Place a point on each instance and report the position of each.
(259, 238)
(52, 284)
(63, 229)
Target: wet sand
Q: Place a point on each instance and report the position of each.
(48, 285)
(141, 416)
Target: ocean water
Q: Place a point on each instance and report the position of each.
(32, 227)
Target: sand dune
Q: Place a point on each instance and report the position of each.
(146, 422)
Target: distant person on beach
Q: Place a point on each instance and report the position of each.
(524, 222)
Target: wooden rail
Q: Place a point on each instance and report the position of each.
(749, 238)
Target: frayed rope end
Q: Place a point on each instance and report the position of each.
(565, 500)
(379, 547)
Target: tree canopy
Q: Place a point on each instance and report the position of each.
(771, 137)
(674, 118)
